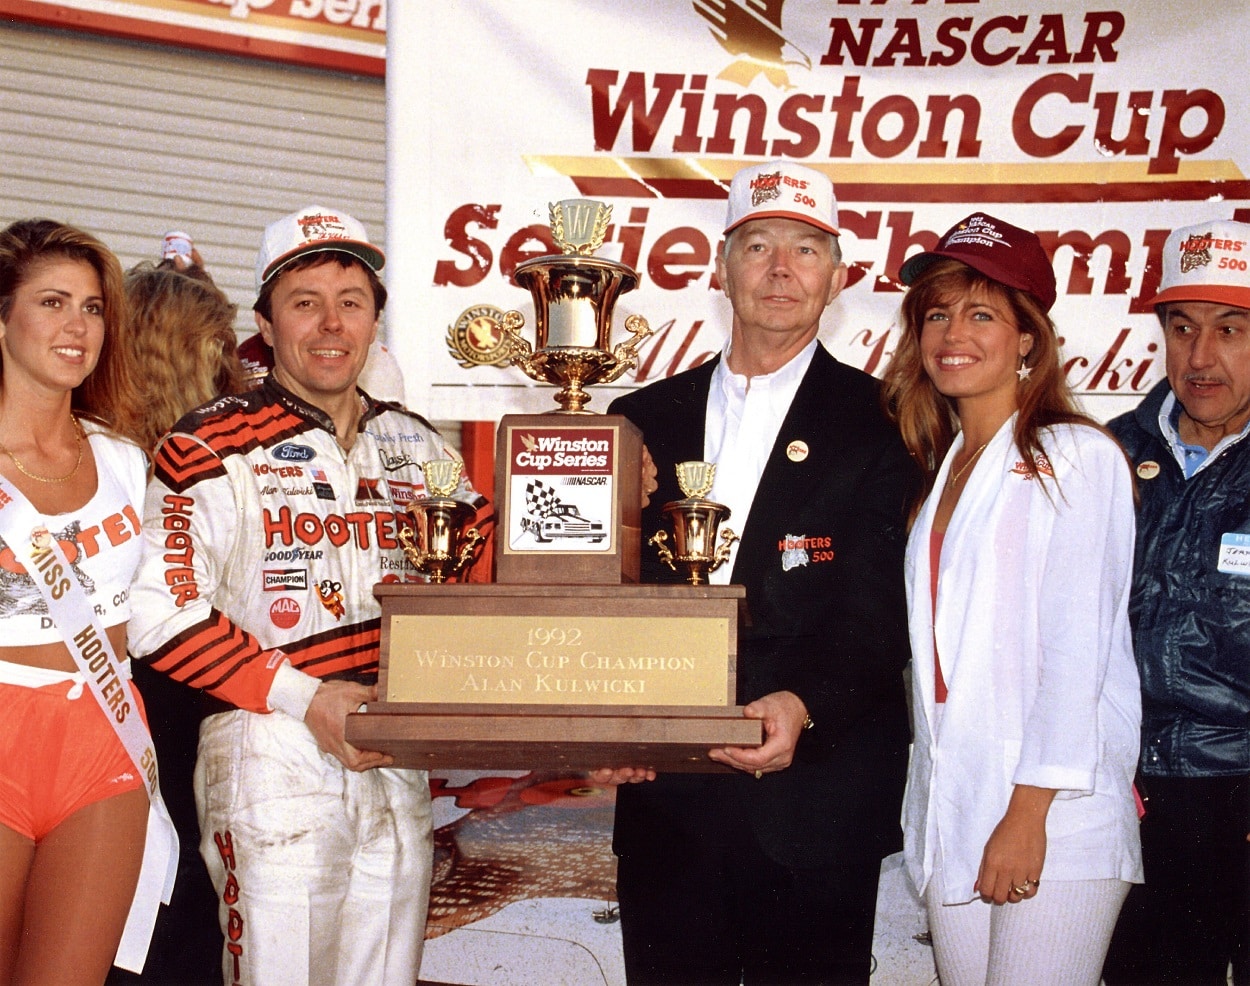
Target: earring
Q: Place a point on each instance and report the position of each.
(1024, 371)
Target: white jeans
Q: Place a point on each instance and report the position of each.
(1058, 937)
(322, 874)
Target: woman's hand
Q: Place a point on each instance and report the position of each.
(622, 775)
(649, 474)
(1011, 865)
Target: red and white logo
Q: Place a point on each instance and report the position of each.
(284, 613)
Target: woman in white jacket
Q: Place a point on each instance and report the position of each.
(1019, 822)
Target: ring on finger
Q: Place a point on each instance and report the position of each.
(1021, 890)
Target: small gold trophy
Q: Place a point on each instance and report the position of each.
(441, 545)
(574, 294)
(695, 522)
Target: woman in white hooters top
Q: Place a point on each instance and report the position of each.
(73, 808)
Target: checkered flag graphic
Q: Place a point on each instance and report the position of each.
(540, 499)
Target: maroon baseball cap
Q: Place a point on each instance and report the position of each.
(997, 249)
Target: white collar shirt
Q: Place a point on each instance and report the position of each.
(744, 415)
(1191, 458)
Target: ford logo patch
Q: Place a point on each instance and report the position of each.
(290, 452)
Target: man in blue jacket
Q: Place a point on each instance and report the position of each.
(1191, 623)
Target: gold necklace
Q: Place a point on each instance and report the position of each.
(49, 479)
(953, 478)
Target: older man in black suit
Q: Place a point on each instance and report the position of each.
(769, 874)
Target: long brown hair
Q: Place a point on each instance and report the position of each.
(182, 334)
(927, 419)
(109, 393)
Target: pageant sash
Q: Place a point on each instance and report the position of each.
(28, 537)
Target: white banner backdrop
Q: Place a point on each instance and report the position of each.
(1100, 128)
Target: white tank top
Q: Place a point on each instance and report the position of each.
(100, 539)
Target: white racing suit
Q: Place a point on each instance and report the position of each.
(263, 540)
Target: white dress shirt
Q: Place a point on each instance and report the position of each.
(744, 415)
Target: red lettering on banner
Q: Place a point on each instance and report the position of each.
(480, 256)
(1083, 247)
(675, 365)
(367, 15)
(514, 252)
(876, 349)
(989, 43)
(691, 263)
(747, 125)
(1171, 142)
(608, 121)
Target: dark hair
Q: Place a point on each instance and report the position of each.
(926, 418)
(108, 393)
(264, 300)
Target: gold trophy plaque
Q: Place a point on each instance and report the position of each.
(564, 662)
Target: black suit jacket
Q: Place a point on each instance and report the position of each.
(832, 630)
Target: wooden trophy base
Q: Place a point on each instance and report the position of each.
(570, 738)
(556, 677)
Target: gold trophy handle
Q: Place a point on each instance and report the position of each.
(660, 539)
(520, 352)
(625, 353)
(472, 538)
(727, 538)
(411, 548)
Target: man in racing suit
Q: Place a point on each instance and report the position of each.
(270, 517)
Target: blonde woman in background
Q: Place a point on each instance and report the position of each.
(182, 335)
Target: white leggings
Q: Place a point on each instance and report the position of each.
(1058, 937)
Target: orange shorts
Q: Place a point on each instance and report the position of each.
(57, 755)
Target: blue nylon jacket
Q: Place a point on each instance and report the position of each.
(1191, 622)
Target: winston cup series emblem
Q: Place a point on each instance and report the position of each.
(574, 294)
(578, 225)
(695, 522)
(442, 476)
(439, 543)
(696, 478)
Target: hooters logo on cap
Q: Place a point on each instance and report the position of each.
(1207, 262)
(782, 190)
(313, 229)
